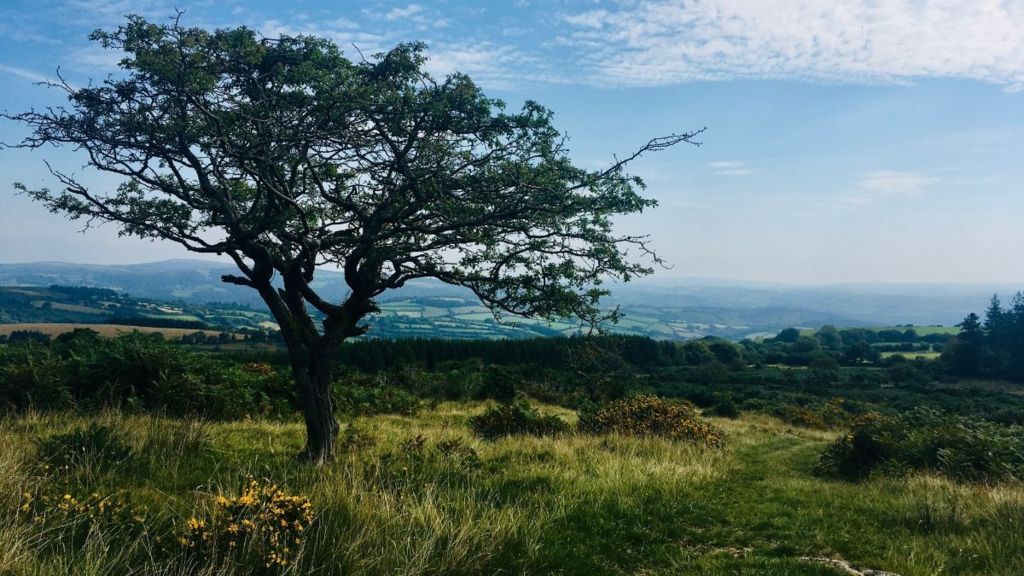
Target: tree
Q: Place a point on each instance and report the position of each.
(968, 347)
(285, 156)
(788, 335)
(994, 317)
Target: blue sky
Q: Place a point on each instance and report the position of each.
(854, 141)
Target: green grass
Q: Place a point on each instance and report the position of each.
(566, 505)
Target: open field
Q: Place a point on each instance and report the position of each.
(55, 329)
(927, 354)
(567, 505)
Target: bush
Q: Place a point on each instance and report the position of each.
(31, 376)
(367, 401)
(927, 440)
(833, 414)
(96, 448)
(262, 522)
(650, 416)
(69, 520)
(724, 408)
(517, 418)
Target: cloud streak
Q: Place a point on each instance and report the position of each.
(883, 184)
(729, 168)
(663, 42)
(25, 74)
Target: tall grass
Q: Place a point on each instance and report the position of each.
(396, 503)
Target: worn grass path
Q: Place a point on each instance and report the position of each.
(570, 505)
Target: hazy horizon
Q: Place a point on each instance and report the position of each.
(1006, 289)
(880, 143)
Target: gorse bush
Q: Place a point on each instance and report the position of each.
(518, 417)
(650, 416)
(68, 520)
(262, 522)
(833, 414)
(927, 440)
(97, 448)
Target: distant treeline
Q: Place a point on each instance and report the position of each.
(993, 347)
(791, 347)
(84, 292)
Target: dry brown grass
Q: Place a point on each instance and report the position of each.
(108, 330)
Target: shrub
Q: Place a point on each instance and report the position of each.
(263, 521)
(31, 376)
(458, 453)
(832, 414)
(927, 440)
(725, 408)
(68, 520)
(650, 416)
(367, 401)
(96, 448)
(517, 418)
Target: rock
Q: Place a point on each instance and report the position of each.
(848, 568)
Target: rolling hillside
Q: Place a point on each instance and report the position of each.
(189, 294)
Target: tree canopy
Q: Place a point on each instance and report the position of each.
(285, 156)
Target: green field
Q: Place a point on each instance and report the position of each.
(570, 505)
(928, 355)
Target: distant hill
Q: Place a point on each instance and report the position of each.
(673, 308)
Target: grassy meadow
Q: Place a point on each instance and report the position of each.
(423, 495)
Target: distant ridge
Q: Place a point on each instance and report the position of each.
(702, 305)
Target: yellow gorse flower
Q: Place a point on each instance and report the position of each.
(263, 517)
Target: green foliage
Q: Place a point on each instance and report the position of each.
(828, 415)
(927, 440)
(32, 376)
(140, 372)
(515, 418)
(724, 408)
(650, 416)
(355, 400)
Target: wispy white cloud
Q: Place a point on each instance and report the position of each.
(661, 42)
(112, 12)
(344, 32)
(420, 17)
(493, 65)
(24, 74)
(95, 58)
(400, 13)
(876, 186)
(730, 168)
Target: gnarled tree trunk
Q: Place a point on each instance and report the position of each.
(313, 360)
(313, 357)
(318, 410)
